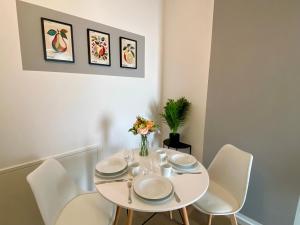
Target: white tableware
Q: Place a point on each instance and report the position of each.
(128, 155)
(194, 169)
(158, 201)
(152, 187)
(166, 170)
(162, 156)
(111, 166)
(182, 160)
(134, 169)
(111, 176)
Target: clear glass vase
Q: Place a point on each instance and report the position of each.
(144, 146)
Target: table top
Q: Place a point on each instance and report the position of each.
(189, 187)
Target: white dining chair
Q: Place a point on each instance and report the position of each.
(62, 202)
(229, 174)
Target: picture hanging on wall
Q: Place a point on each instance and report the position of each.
(128, 53)
(57, 40)
(98, 47)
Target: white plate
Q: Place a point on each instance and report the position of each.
(152, 187)
(183, 160)
(111, 176)
(195, 168)
(156, 201)
(111, 166)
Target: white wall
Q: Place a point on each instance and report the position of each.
(187, 41)
(44, 113)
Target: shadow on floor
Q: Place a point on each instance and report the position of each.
(196, 218)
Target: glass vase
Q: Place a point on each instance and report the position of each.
(144, 146)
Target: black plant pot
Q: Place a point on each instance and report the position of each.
(174, 138)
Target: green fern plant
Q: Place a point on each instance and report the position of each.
(175, 112)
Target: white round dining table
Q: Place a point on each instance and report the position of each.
(189, 188)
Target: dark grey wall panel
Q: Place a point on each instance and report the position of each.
(253, 100)
(29, 19)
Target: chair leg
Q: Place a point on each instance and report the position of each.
(171, 215)
(233, 220)
(118, 211)
(129, 217)
(209, 219)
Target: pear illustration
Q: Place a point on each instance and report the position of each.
(129, 54)
(58, 43)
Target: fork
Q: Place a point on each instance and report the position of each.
(129, 185)
(181, 173)
(177, 197)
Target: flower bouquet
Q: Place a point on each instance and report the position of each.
(143, 127)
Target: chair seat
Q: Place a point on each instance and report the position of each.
(217, 201)
(87, 209)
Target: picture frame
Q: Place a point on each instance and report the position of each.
(98, 48)
(57, 41)
(128, 53)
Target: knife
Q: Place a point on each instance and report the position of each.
(110, 181)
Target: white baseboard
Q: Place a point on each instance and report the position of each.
(244, 220)
(57, 156)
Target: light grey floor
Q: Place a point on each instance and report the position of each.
(196, 218)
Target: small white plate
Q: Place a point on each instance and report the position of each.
(111, 166)
(183, 160)
(195, 168)
(111, 176)
(152, 187)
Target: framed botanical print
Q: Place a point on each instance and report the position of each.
(128, 53)
(57, 40)
(98, 47)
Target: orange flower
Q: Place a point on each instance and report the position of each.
(143, 131)
(150, 124)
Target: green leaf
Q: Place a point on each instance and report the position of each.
(63, 31)
(124, 48)
(63, 35)
(175, 112)
(51, 32)
(133, 53)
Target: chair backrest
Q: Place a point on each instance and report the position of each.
(231, 169)
(52, 189)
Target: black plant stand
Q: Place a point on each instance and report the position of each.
(179, 145)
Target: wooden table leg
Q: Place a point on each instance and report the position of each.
(185, 216)
(209, 219)
(129, 217)
(118, 211)
(233, 219)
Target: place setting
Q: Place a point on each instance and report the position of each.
(183, 163)
(111, 170)
(151, 185)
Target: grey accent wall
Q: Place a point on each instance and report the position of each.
(30, 31)
(253, 100)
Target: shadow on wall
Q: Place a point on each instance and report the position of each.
(154, 115)
(107, 147)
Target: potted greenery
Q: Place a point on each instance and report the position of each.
(174, 115)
